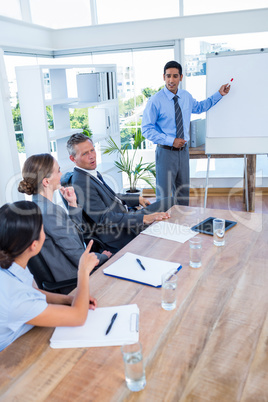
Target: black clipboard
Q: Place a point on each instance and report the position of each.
(206, 226)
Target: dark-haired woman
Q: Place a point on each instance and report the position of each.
(22, 305)
(63, 245)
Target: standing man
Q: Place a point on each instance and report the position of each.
(166, 122)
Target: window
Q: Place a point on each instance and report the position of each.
(197, 48)
(10, 8)
(192, 7)
(61, 13)
(78, 117)
(145, 71)
(11, 62)
(128, 10)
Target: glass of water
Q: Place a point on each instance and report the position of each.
(195, 252)
(134, 367)
(218, 232)
(169, 290)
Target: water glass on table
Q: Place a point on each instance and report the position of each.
(218, 232)
(134, 367)
(195, 252)
(169, 290)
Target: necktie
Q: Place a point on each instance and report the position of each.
(178, 118)
(99, 176)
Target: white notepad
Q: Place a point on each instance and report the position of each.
(125, 329)
(128, 268)
(170, 231)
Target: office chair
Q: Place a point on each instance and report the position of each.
(45, 279)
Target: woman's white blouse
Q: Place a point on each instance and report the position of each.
(20, 302)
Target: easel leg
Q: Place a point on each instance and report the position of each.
(246, 180)
(206, 188)
(251, 171)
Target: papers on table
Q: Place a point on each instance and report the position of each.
(128, 268)
(125, 329)
(170, 231)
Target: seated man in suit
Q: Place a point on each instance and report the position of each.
(115, 223)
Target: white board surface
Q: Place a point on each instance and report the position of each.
(238, 124)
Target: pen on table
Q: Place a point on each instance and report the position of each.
(111, 324)
(140, 263)
(175, 272)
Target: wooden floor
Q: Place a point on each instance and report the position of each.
(224, 200)
(235, 202)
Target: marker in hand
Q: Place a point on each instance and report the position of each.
(230, 82)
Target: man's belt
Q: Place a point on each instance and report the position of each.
(171, 148)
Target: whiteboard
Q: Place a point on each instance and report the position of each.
(238, 123)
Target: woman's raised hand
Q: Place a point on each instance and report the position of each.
(69, 194)
(88, 261)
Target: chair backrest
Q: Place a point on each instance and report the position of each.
(66, 180)
(45, 279)
(40, 270)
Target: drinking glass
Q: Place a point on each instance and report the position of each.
(169, 290)
(218, 232)
(195, 252)
(134, 367)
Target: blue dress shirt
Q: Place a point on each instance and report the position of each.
(158, 122)
(19, 302)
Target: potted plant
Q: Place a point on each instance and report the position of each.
(139, 171)
(86, 131)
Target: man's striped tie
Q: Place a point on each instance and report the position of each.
(99, 176)
(178, 118)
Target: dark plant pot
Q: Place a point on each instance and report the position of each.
(133, 191)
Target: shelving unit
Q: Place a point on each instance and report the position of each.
(69, 87)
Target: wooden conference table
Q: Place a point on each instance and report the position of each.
(212, 347)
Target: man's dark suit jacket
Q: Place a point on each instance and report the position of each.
(114, 225)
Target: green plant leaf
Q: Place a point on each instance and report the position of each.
(141, 171)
